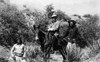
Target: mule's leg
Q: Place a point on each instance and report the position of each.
(64, 49)
(47, 54)
(64, 54)
(44, 56)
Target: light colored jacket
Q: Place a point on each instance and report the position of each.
(54, 26)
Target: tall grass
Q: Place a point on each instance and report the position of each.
(33, 53)
(3, 60)
(81, 54)
(95, 48)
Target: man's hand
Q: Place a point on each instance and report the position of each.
(13, 58)
(23, 58)
(73, 39)
(56, 34)
(68, 38)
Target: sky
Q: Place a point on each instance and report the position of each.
(70, 7)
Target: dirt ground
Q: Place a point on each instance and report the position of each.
(56, 58)
(4, 53)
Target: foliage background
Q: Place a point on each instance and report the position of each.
(13, 25)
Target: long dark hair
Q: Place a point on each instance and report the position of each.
(20, 40)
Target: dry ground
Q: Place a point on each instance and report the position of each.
(4, 53)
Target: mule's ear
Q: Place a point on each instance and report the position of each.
(34, 27)
(38, 26)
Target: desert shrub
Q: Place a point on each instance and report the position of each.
(62, 15)
(3, 60)
(13, 25)
(33, 52)
(94, 49)
(90, 28)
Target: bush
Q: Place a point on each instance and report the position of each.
(33, 52)
(3, 60)
(90, 28)
(13, 25)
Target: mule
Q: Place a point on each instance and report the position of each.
(48, 41)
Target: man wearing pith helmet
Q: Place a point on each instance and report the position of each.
(53, 27)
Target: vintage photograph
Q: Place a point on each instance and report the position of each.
(49, 30)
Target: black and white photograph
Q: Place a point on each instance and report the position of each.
(49, 30)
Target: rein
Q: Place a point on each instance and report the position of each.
(44, 32)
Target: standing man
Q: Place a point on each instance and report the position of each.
(73, 34)
(73, 30)
(18, 51)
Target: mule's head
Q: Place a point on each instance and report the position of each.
(39, 35)
(36, 36)
(36, 29)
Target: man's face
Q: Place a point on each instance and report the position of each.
(53, 19)
(71, 23)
